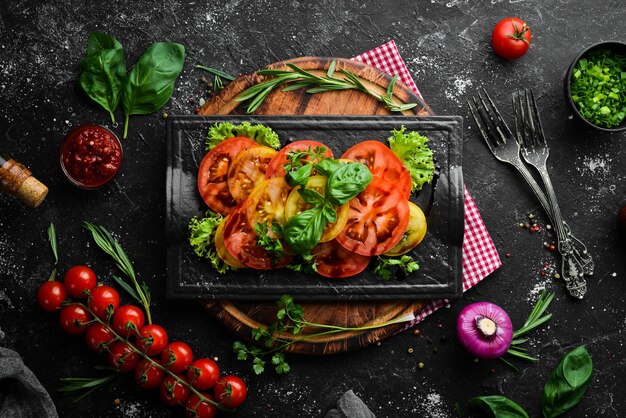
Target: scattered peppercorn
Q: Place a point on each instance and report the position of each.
(542, 272)
(548, 227)
(410, 350)
(521, 224)
(117, 401)
(165, 115)
(420, 365)
(551, 247)
(531, 216)
(508, 255)
(557, 276)
(416, 331)
(492, 370)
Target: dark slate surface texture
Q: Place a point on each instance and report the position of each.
(445, 44)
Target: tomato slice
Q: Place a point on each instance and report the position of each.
(295, 205)
(415, 231)
(335, 261)
(213, 173)
(222, 251)
(241, 242)
(276, 167)
(383, 163)
(248, 170)
(266, 203)
(377, 220)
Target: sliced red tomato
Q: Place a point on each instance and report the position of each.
(222, 251)
(378, 218)
(241, 242)
(276, 167)
(334, 261)
(266, 203)
(383, 163)
(248, 170)
(213, 173)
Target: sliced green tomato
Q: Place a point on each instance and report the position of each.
(414, 234)
(266, 203)
(248, 170)
(296, 205)
(221, 249)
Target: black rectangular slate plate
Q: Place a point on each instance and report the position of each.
(439, 255)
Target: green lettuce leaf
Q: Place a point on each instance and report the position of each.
(261, 134)
(202, 239)
(412, 148)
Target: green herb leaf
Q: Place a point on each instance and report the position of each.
(412, 148)
(202, 239)
(270, 244)
(258, 365)
(261, 134)
(121, 283)
(215, 72)
(52, 238)
(150, 83)
(300, 176)
(303, 231)
(103, 71)
(567, 383)
(385, 264)
(346, 182)
(499, 407)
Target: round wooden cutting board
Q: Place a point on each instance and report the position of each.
(242, 317)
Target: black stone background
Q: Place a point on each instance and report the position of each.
(445, 44)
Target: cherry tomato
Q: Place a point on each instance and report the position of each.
(98, 337)
(248, 170)
(230, 391)
(378, 218)
(177, 357)
(127, 320)
(213, 173)
(221, 249)
(122, 357)
(276, 167)
(415, 231)
(203, 374)
(147, 375)
(383, 163)
(103, 301)
(295, 205)
(173, 392)
(196, 407)
(511, 38)
(152, 340)
(74, 319)
(334, 261)
(78, 280)
(51, 295)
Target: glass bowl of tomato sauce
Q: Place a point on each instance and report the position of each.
(91, 156)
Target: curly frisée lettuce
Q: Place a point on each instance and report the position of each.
(412, 148)
(261, 134)
(202, 239)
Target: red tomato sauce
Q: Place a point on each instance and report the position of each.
(91, 156)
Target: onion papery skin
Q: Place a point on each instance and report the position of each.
(474, 341)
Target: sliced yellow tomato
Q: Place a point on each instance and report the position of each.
(248, 170)
(414, 234)
(222, 251)
(295, 205)
(266, 203)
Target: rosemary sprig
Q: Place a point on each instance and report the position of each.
(52, 238)
(217, 74)
(109, 245)
(297, 78)
(86, 385)
(290, 318)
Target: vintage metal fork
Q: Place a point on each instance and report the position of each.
(530, 136)
(505, 147)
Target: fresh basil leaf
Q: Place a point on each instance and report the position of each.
(346, 182)
(499, 406)
(303, 231)
(98, 41)
(103, 70)
(300, 176)
(311, 197)
(567, 383)
(329, 212)
(327, 166)
(151, 81)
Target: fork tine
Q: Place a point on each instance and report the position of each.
(480, 126)
(501, 124)
(530, 118)
(540, 137)
(525, 129)
(518, 121)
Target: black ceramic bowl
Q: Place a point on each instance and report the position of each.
(615, 46)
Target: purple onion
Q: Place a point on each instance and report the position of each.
(485, 330)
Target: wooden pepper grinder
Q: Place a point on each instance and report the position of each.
(17, 181)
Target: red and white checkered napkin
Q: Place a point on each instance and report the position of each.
(480, 257)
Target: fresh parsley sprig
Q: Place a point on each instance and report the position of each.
(296, 78)
(272, 245)
(386, 265)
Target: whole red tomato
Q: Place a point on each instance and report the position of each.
(147, 375)
(122, 357)
(203, 374)
(127, 320)
(51, 295)
(196, 407)
(78, 280)
(177, 357)
(103, 301)
(173, 392)
(230, 391)
(73, 319)
(152, 340)
(98, 337)
(511, 38)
